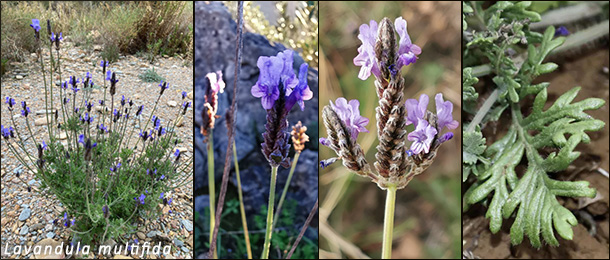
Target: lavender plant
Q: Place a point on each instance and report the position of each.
(497, 35)
(279, 89)
(383, 56)
(106, 173)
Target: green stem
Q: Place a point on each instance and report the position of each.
(211, 187)
(241, 204)
(279, 205)
(388, 223)
(268, 231)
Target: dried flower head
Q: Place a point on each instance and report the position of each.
(299, 137)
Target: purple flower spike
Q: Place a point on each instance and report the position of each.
(161, 197)
(407, 51)
(443, 112)
(366, 52)
(142, 197)
(44, 146)
(108, 75)
(267, 86)
(301, 91)
(349, 113)
(422, 137)
(416, 110)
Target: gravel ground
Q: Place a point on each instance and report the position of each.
(27, 216)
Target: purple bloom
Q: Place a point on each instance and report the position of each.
(446, 137)
(416, 110)
(184, 94)
(35, 24)
(26, 112)
(162, 176)
(142, 197)
(81, 139)
(123, 100)
(367, 59)
(108, 75)
(443, 112)
(140, 110)
(55, 37)
(177, 153)
(6, 132)
(327, 162)
(75, 89)
(324, 141)
(44, 146)
(10, 101)
(562, 31)
(349, 113)
(407, 51)
(267, 86)
(366, 52)
(170, 202)
(161, 197)
(216, 82)
(422, 137)
(301, 91)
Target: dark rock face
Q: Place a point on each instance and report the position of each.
(215, 33)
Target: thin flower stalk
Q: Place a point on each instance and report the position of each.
(241, 204)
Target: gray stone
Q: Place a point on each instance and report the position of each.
(24, 230)
(188, 225)
(186, 250)
(152, 234)
(25, 214)
(37, 226)
(50, 235)
(31, 182)
(178, 242)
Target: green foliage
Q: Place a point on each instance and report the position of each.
(150, 75)
(110, 53)
(531, 199)
(234, 245)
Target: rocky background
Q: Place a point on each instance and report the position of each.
(215, 33)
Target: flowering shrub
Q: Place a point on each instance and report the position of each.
(107, 173)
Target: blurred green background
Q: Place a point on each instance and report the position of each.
(427, 220)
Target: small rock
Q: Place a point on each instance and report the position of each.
(25, 214)
(141, 235)
(63, 136)
(43, 111)
(24, 230)
(19, 77)
(186, 250)
(178, 243)
(50, 235)
(181, 149)
(172, 103)
(187, 224)
(36, 227)
(97, 47)
(190, 95)
(151, 234)
(40, 121)
(121, 257)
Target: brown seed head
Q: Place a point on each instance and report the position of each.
(299, 137)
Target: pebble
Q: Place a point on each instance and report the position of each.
(178, 242)
(141, 235)
(152, 234)
(49, 242)
(50, 235)
(188, 225)
(31, 182)
(36, 227)
(25, 214)
(186, 250)
(40, 121)
(19, 77)
(172, 103)
(24, 230)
